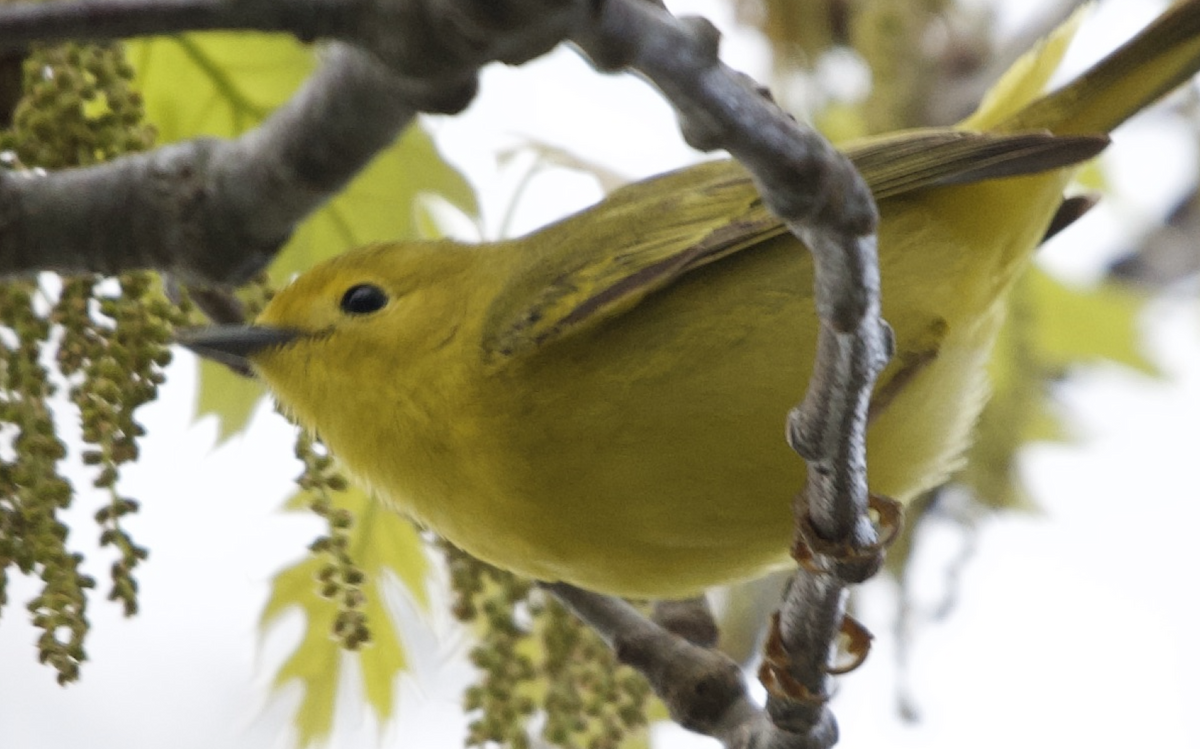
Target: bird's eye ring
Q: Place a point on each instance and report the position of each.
(364, 299)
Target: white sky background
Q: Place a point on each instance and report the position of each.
(1073, 626)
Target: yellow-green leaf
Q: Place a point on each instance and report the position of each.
(1027, 78)
(1051, 328)
(228, 396)
(1081, 325)
(216, 83)
(383, 545)
(316, 662)
(1092, 177)
(379, 205)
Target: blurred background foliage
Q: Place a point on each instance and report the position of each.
(79, 356)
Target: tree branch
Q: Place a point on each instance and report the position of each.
(702, 688)
(211, 211)
(817, 192)
(217, 210)
(100, 20)
(434, 47)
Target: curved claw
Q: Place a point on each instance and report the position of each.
(858, 645)
(774, 673)
(850, 563)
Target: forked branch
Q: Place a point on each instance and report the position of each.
(216, 211)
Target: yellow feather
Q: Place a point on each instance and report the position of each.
(603, 401)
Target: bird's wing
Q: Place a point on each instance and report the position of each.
(905, 162)
(641, 238)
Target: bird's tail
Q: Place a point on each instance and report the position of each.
(1162, 56)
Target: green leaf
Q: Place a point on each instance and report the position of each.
(379, 205)
(1051, 328)
(230, 397)
(385, 546)
(216, 83)
(316, 662)
(1026, 79)
(1081, 325)
(1092, 177)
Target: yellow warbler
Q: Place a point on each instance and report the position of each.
(602, 402)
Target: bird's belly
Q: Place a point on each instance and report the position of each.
(650, 460)
(669, 500)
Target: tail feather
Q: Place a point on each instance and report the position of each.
(1026, 79)
(1161, 57)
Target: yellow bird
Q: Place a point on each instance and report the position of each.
(602, 402)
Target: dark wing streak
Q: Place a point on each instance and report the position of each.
(892, 166)
(720, 243)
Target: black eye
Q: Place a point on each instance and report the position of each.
(363, 299)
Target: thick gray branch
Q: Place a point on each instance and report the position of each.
(96, 20)
(826, 204)
(214, 210)
(209, 210)
(434, 47)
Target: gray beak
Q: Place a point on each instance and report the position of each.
(233, 345)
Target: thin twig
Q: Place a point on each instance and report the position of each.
(702, 688)
(692, 619)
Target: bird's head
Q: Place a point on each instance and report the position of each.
(386, 316)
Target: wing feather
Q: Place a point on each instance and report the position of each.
(590, 267)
